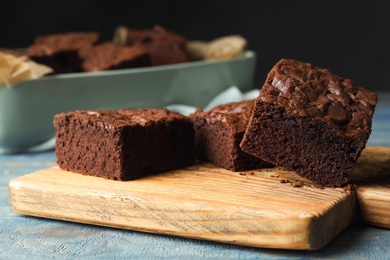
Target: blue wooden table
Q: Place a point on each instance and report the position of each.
(36, 238)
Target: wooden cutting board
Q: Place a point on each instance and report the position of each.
(269, 208)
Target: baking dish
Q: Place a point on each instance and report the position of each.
(27, 108)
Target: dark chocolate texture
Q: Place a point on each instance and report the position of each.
(61, 51)
(311, 121)
(218, 133)
(165, 47)
(110, 56)
(124, 144)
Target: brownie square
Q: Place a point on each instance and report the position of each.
(309, 120)
(110, 56)
(165, 47)
(218, 133)
(124, 144)
(61, 51)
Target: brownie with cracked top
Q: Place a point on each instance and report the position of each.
(61, 51)
(311, 121)
(218, 133)
(110, 56)
(124, 144)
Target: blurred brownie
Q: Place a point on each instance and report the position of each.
(218, 133)
(308, 120)
(165, 47)
(124, 144)
(110, 56)
(61, 51)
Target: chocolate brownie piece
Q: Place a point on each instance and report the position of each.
(308, 120)
(110, 56)
(61, 51)
(218, 133)
(124, 144)
(165, 47)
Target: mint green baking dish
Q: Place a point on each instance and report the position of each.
(27, 109)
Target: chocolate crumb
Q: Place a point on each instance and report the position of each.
(350, 187)
(284, 181)
(242, 173)
(298, 184)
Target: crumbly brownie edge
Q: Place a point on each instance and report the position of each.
(212, 144)
(86, 148)
(302, 144)
(125, 151)
(218, 142)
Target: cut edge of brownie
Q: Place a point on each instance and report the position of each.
(218, 133)
(119, 150)
(320, 154)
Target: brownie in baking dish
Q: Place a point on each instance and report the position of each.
(165, 47)
(61, 51)
(110, 56)
(124, 144)
(311, 121)
(218, 133)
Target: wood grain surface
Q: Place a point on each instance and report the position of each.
(372, 175)
(251, 208)
(269, 208)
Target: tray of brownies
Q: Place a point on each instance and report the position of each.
(138, 68)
